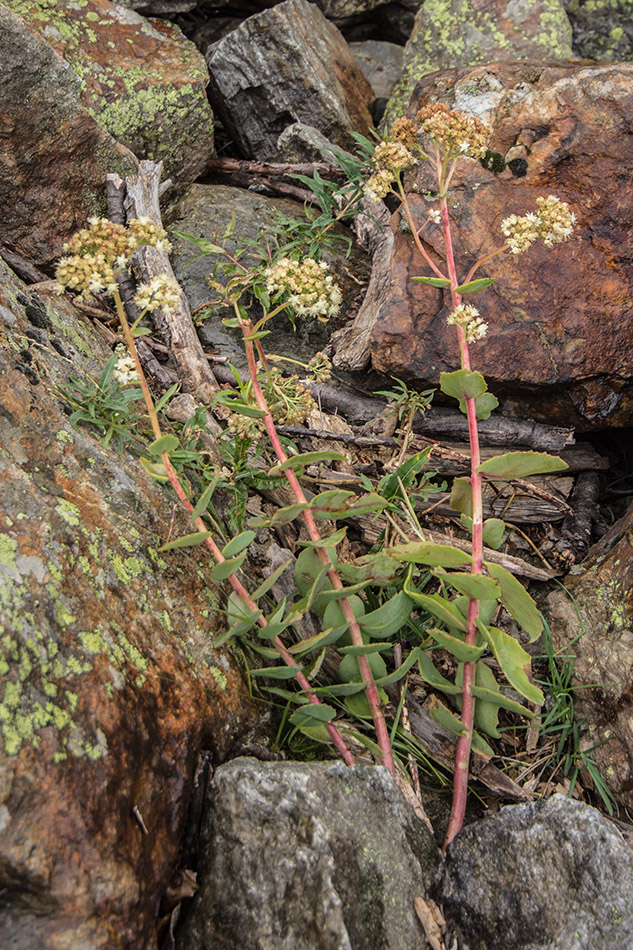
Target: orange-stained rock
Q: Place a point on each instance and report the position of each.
(109, 681)
(560, 320)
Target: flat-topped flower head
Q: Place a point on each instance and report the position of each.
(404, 130)
(312, 291)
(161, 292)
(125, 371)
(456, 133)
(553, 223)
(393, 155)
(467, 317)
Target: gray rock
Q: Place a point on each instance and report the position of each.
(287, 64)
(449, 33)
(602, 30)
(552, 875)
(381, 64)
(303, 143)
(309, 856)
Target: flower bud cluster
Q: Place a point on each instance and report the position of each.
(320, 368)
(467, 317)
(312, 291)
(161, 292)
(553, 223)
(94, 255)
(390, 158)
(125, 371)
(457, 133)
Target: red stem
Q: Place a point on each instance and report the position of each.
(371, 690)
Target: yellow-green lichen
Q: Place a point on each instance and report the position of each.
(69, 512)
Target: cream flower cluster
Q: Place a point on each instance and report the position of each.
(467, 317)
(390, 158)
(312, 292)
(125, 371)
(160, 292)
(94, 255)
(457, 133)
(553, 223)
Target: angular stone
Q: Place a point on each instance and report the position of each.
(301, 855)
(109, 681)
(552, 875)
(591, 620)
(143, 82)
(381, 64)
(560, 335)
(287, 64)
(449, 33)
(53, 155)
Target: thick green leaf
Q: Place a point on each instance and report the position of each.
(486, 714)
(433, 281)
(239, 406)
(446, 718)
(475, 586)
(521, 464)
(327, 596)
(366, 649)
(401, 671)
(166, 443)
(485, 405)
(433, 677)
(204, 499)
(498, 699)
(154, 468)
(240, 613)
(330, 541)
(463, 384)
(433, 555)
(378, 569)
(439, 607)
(337, 503)
(513, 660)
(187, 540)
(517, 601)
(493, 533)
(334, 616)
(308, 568)
(317, 641)
(164, 399)
(389, 618)
(276, 672)
(340, 689)
(238, 544)
(474, 286)
(349, 670)
(462, 496)
(225, 568)
(306, 459)
(311, 713)
(268, 583)
(282, 516)
(462, 651)
(366, 504)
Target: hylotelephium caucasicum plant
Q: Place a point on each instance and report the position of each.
(443, 137)
(467, 590)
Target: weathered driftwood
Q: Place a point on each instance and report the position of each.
(573, 544)
(497, 430)
(372, 230)
(176, 328)
(254, 169)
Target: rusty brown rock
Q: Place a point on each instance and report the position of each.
(142, 81)
(591, 619)
(109, 680)
(560, 328)
(53, 155)
(287, 64)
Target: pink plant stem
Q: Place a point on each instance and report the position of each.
(464, 743)
(414, 231)
(371, 690)
(237, 586)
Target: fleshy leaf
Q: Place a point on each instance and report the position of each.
(433, 555)
(433, 281)
(389, 618)
(225, 568)
(473, 585)
(493, 532)
(462, 496)
(461, 650)
(513, 660)
(166, 443)
(517, 601)
(312, 713)
(433, 677)
(521, 464)
(187, 540)
(238, 544)
(306, 459)
(439, 607)
(474, 286)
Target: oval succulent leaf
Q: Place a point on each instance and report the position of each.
(521, 464)
(517, 601)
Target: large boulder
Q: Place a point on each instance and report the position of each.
(110, 684)
(601, 30)
(300, 855)
(450, 33)
(142, 82)
(560, 329)
(54, 156)
(552, 875)
(591, 619)
(287, 64)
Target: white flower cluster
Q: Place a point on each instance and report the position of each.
(125, 371)
(312, 292)
(161, 292)
(457, 133)
(96, 254)
(390, 158)
(553, 223)
(467, 317)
